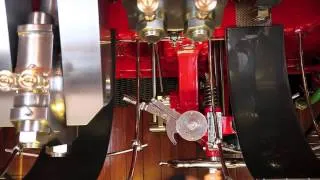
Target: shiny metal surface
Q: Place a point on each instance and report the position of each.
(126, 151)
(148, 7)
(12, 13)
(39, 18)
(35, 47)
(31, 99)
(201, 164)
(50, 7)
(151, 31)
(57, 151)
(88, 151)
(205, 5)
(154, 77)
(81, 57)
(267, 127)
(106, 66)
(192, 125)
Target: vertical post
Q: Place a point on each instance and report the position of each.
(154, 77)
(215, 121)
(136, 142)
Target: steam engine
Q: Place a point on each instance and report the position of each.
(230, 76)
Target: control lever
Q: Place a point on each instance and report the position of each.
(191, 125)
(159, 109)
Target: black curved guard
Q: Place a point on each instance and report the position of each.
(270, 136)
(88, 151)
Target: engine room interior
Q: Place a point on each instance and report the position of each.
(159, 89)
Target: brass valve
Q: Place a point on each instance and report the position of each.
(27, 80)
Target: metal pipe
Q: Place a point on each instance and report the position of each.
(165, 39)
(305, 85)
(215, 121)
(125, 151)
(216, 72)
(22, 153)
(136, 142)
(154, 77)
(159, 69)
(221, 88)
(200, 164)
(50, 7)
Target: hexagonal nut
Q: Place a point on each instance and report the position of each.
(57, 151)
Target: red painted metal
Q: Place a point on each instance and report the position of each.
(227, 127)
(188, 81)
(292, 14)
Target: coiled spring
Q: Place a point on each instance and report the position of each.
(208, 95)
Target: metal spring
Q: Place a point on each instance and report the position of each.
(208, 95)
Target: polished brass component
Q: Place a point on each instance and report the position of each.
(148, 7)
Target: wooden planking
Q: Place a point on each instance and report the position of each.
(117, 167)
(152, 154)
(118, 143)
(130, 119)
(1, 147)
(168, 152)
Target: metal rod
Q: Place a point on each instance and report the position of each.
(136, 142)
(222, 98)
(305, 85)
(16, 151)
(216, 72)
(159, 69)
(126, 151)
(154, 77)
(218, 140)
(200, 164)
(22, 153)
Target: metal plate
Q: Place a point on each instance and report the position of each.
(88, 151)
(80, 48)
(270, 136)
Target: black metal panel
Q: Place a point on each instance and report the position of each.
(270, 136)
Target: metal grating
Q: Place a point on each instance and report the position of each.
(247, 14)
(128, 87)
